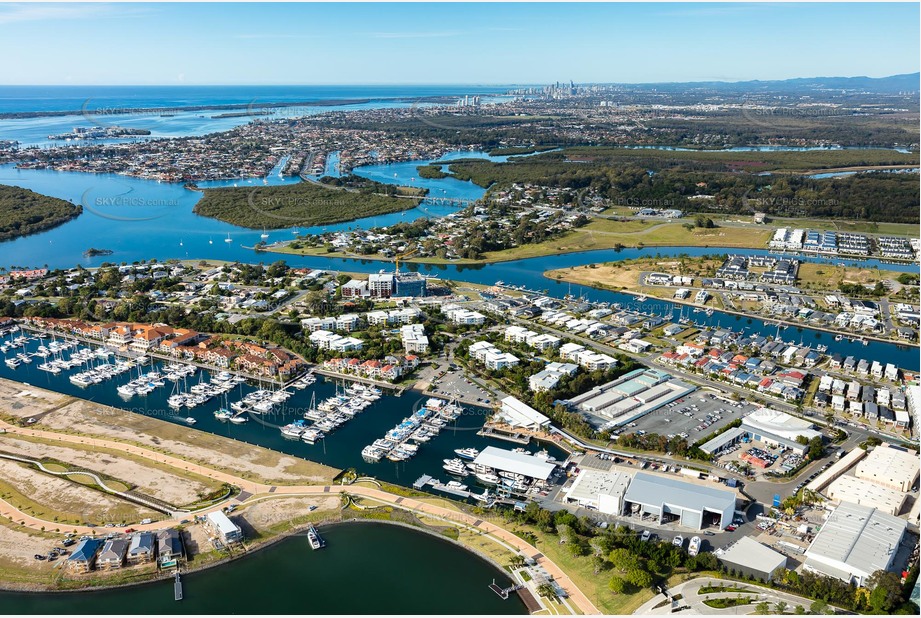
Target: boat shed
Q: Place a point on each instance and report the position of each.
(750, 558)
(517, 463)
(519, 414)
(670, 499)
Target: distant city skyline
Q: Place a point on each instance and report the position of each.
(420, 43)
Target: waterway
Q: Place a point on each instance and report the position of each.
(141, 220)
(340, 449)
(432, 576)
(103, 106)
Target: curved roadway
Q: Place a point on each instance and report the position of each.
(261, 489)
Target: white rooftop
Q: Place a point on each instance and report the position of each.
(750, 553)
(222, 522)
(519, 463)
(780, 424)
(591, 483)
(519, 413)
(861, 538)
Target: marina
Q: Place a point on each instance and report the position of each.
(227, 414)
(404, 440)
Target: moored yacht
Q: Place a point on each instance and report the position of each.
(467, 453)
(455, 467)
(223, 414)
(488, 478)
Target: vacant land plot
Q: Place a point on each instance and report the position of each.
(266, 514)
(57, 499)
(80, 417)
(147, 477)
(607, 234)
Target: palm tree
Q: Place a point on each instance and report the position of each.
(781, 606)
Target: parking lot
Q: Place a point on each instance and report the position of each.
(451, 383)
(693, 417)
(762, 459)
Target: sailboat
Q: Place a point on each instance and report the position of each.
(228, 239)
(264, 234)
(210, 241)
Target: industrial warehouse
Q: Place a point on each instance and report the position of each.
(614, 491)
(630, 397)
(881, 479)
(749, 558)
(770, 427)
(855, 542)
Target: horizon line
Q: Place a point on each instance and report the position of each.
(479, 84)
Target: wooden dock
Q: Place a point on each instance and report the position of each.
(177, 588)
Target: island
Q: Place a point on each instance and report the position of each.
(24, 212)
(93, 252)
(303, 204)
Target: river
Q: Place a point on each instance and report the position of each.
(432, 576)
(142, 220)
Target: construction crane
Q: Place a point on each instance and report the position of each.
(403, 256)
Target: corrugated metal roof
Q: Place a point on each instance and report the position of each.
(222, 522)
(861, 537)
(657, 490)
(519, 463)
(748, 552)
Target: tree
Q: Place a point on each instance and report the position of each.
(799, 610)
(639, 578)
(763, 608)
(886, 592)
(816, 448)
(547, 590)
(617, 584)
(780, 606)
(818, 607)
(624, 560)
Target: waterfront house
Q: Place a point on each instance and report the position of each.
(83, 557)
(141, 548)
(169, 545)
(112, 555)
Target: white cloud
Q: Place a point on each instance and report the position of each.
(415, 35)
(17, 13)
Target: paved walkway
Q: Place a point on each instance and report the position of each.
(508, 538)
(694, 600)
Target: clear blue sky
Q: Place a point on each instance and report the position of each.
(451, 43)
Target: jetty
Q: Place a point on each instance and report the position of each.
(504, 592)
(177, 587)
(502, 434)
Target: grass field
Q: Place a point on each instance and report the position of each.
(853, 226)
(607, 234)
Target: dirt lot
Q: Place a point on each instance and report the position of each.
(61, 413)
(149, 479)
(17, 548)
(65, 500)
(267, 513)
